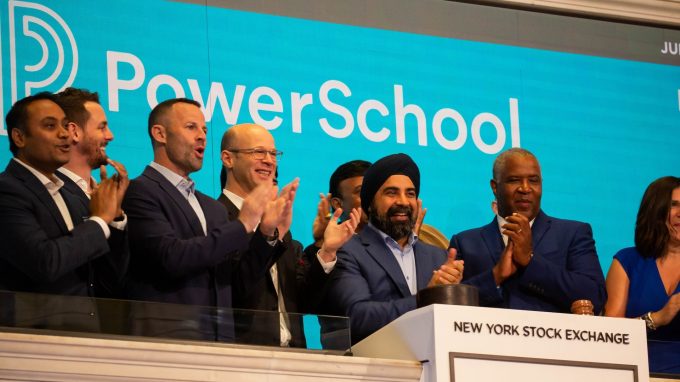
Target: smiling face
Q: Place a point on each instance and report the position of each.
(519, 186)
(96, 136)
(394, 207)
(244, 171)
(184, 136)
(674, 218)
(46, 142)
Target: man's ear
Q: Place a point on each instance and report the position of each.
(76, 132)
(227, 159)
(336, 203)
(159, 133)
(494, 186)
(18, 137)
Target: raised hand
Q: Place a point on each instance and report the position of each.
(518, 231)
(254, 205)
(451, 272)
(120, 178)
(505, 267)
(286, 218)
(104, 200)
(321, 219)
(336, 235)
(420, 218)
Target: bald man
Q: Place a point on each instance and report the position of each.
(250, 158)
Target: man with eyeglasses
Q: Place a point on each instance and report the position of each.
(182, 245)
(250, 158)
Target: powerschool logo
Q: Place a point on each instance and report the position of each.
(40, 50)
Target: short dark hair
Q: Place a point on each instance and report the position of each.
(651, 230)
(158, 113)
(17, 116)
(347, 170)
(72, 101)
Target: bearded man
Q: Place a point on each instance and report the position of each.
(380, 270)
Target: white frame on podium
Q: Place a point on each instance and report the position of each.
(465, 344)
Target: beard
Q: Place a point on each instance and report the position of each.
(95, 155)
(395, 230)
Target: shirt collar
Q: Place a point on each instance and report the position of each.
(235, 199)
(181, 183)
(82, 183)
(53, 185)
(412, 239)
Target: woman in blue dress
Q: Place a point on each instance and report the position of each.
(643, 280)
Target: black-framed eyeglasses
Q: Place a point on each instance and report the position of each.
(259, 153)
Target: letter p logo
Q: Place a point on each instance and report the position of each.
(43, 54)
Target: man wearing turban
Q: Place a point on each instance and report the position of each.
(380, 270)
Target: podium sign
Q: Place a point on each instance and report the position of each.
(465, 344)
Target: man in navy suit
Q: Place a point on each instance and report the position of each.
(183, 246)
(525, 259)
(380, 270)
(90, 136)
(49, 242)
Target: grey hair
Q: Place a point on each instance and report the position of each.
(502, 159)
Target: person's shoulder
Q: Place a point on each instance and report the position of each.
(422, 247)
(627, 256)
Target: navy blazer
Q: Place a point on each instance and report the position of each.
(173, 261)
(368, 285)
(37, 252)
(564, 268)
(114, 264)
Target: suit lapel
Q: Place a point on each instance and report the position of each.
(540, 227)
(493, 240)
(76, 191)
(424, 265)
(34, 185)
(377, 249)
(180, 201)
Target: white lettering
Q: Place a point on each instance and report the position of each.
(401, 111)
(159, 80)
(437, 121)
(256, 106)
(215, 94)
(114, 83)
(297, 103)
(342, 111)
(476, 128)
(364, 108)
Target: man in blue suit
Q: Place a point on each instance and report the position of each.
(380, 270)
(525, 259)
(182, 243)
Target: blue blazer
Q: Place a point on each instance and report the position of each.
(172, 260)
(37, 252)
(565, 266)
(368, 285)
(114, 265)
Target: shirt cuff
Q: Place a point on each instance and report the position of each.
(120, 225)
(102, 223)
(327, 267)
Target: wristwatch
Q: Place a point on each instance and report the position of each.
(274, 236)
(649, 321)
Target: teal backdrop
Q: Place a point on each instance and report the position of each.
(603, 128)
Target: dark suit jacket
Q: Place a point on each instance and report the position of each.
(368, 285)
(115, 263)
(299, 280)
(173, 261)
(37, 252)
(564, 268)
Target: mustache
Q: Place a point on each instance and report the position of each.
(400, 210)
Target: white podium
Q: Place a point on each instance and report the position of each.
(465, 344)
